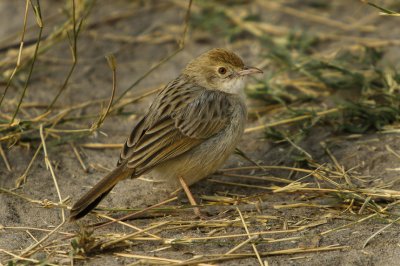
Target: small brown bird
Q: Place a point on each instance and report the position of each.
(191, 128)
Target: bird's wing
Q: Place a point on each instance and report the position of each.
(179, 120)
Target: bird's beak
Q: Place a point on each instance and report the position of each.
(249, 70)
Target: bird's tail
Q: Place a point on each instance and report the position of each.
(93, 197)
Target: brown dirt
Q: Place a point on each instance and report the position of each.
(92, 80)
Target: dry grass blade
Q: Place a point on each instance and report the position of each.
(248, 240)
(19, 257)
(5, 160)
(113, 242)
(384, 11)
(12, 193)
(131, 226)
(248, 234)
(22, 179)
(339, 168)
(348, 225)
(21, 46)
(219, 257)
(35, 229)
(260, 233)
(291, 120)
(38, 16)
(112, 64)
(154, 260)
(50, 168)
(267, 167)
(392, 151)
(73, 46)
(240, 184)
(310, 16)
(148, 259)
(129, 216)
(79, 158)
(263, 178)
(166, 59)
(102, 145)
(30, 250)
(378, 232)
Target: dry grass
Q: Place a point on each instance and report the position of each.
(303, 76)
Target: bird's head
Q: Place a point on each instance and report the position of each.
(219, 69)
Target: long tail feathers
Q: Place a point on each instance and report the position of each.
(93, 197)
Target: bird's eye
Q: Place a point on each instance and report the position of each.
(222, 70)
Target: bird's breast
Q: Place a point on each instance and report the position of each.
(207, 157)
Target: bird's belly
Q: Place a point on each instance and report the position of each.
(201, 161)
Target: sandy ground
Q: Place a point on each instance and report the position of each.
(92, 80)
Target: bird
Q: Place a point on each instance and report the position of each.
(192, 126)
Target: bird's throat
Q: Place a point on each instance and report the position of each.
(234, 86)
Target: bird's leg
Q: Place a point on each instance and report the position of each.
(190, 197)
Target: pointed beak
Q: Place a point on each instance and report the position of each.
(249, 70)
